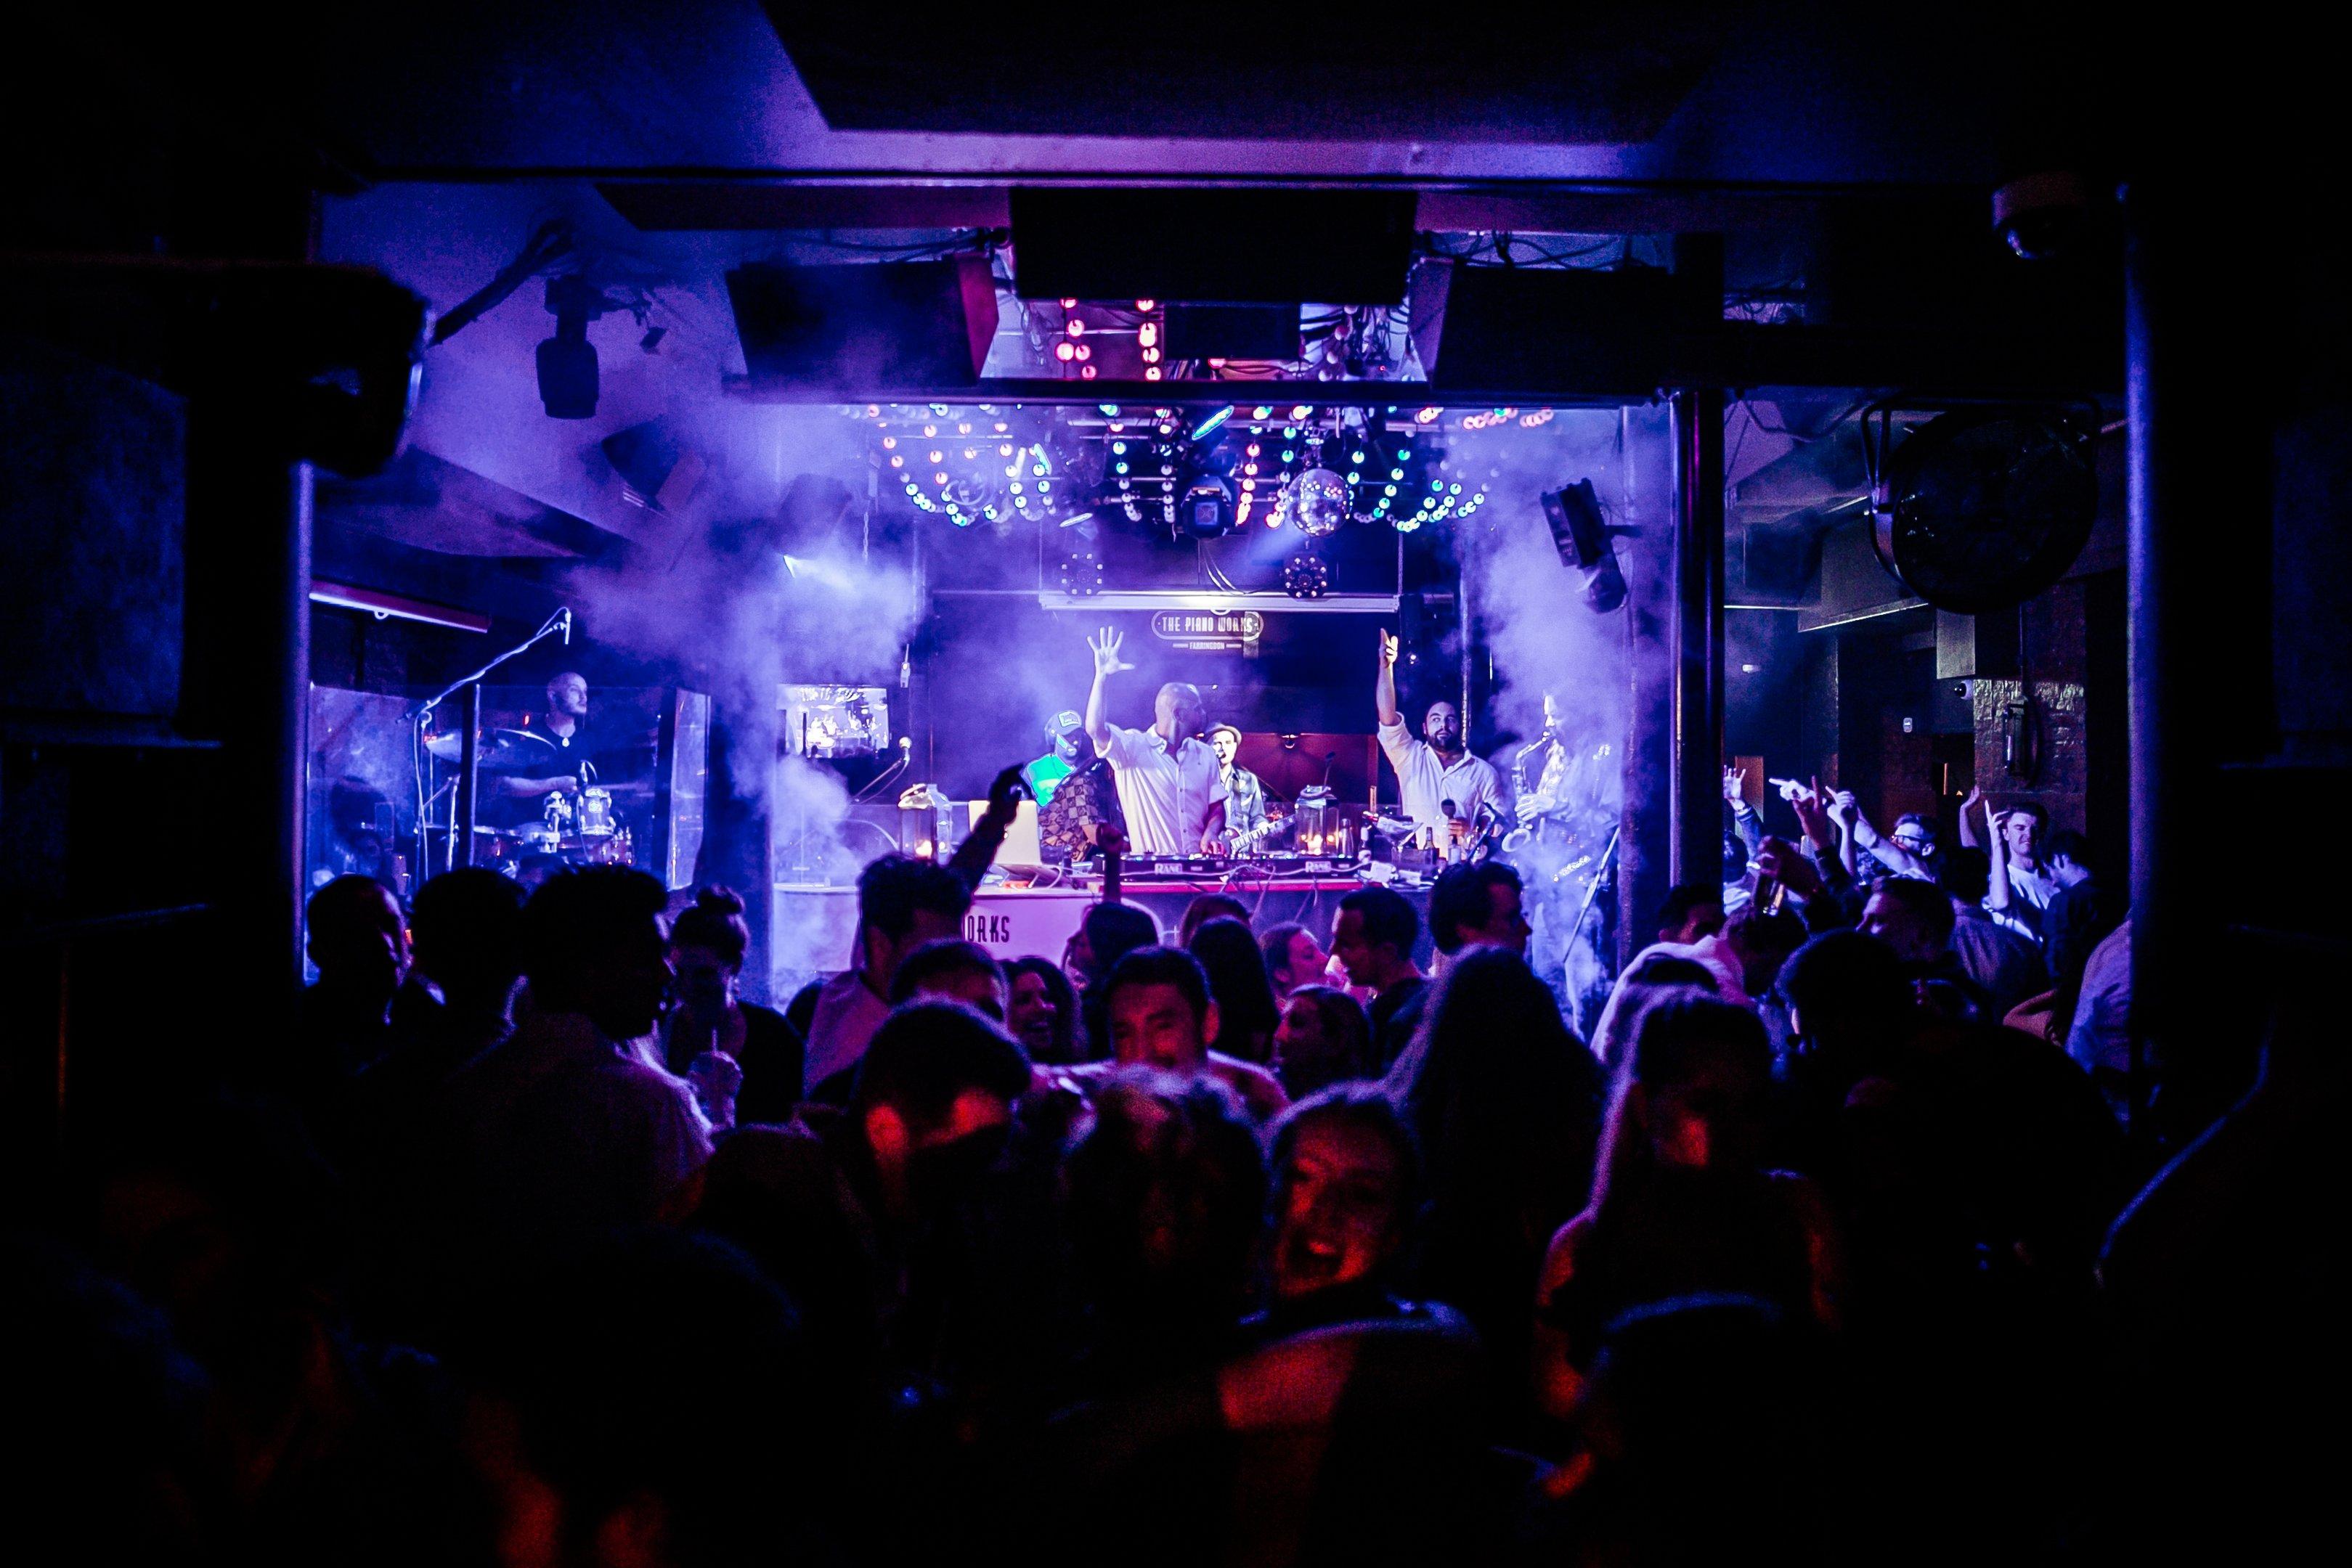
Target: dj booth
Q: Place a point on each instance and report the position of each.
(1016, 919)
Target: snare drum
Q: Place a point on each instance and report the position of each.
(596, 812)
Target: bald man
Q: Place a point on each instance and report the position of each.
(1171, 790)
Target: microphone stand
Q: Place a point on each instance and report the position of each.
(469, 756)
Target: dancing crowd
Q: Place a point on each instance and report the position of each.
(536, 1243)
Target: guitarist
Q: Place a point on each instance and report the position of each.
(1245, 793)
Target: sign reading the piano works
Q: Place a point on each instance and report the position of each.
(1209, 630)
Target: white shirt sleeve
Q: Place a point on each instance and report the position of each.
(1125, 748)
(1397, 742)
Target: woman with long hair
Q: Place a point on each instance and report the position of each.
(1504, 1101)
(1681, 1204)
(1246, 1016)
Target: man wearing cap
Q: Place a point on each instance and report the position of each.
(1245, 794)
(1062, 733)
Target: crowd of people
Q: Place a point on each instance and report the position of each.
(538, 1243)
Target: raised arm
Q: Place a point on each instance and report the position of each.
(1844, 809)
(1384, 706)
(1968, 823)
(978, 851)
(1107, 664)
(1997, 893)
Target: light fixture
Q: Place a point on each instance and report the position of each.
(1208, 509)
(1201, 431)
(567, 362)
(1316, 500)
(1306, 575)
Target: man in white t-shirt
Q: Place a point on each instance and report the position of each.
(1171, 789)
(1437, 768)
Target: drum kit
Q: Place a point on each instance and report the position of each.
(577, 827)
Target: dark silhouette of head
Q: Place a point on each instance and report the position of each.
(593, 944)
(1246, 1014)
(1209, 906)
(903, 903)
(954, 970)
(468, 929)
(1374, 936)
(357, 936)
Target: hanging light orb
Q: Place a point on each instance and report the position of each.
(1318, 499)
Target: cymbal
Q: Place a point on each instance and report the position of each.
(500, 751)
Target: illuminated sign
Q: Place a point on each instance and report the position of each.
(1209, 629)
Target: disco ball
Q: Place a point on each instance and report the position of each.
(1318, 501)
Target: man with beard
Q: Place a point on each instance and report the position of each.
(1443, 786)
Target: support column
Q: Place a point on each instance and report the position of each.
(1696, 786)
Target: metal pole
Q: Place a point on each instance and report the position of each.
(1696, 790)
(469, 774)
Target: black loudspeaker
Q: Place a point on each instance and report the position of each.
(1233, 331)
(1264, 247)
(875, 328)
(1581, 330)
(1581, 534)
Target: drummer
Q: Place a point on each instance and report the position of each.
(569, 740)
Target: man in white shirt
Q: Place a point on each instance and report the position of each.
(1437, 768)
(1171, 789)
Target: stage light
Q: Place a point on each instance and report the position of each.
(1151, 356)
(1074, 519)
(888, 442)
(1064, 353)
(897, 461)
(1261, 411)
(1151, 372)
(1086, 352)
(1005, 450)
(1069, 305)
(1306, 577)
(1201, 430)
(1147, 335)
(1427, 414)
(568, 383)
(1208, 511)
(939, 457)
(930, 430)
(1076, 329)
(1146, 303)
(1396, 472)
(1298, 415)
(940, 478)
(1110, 410)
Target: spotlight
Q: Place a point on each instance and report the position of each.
(1201, 430)
(1306, 575)
(567, 362)
(1208, 511)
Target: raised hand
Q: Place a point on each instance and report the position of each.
(1844, 808)
(1779, 859)
(1105, 652)
(1391, 648)
(1732, 784)
(1005, 791)
(1972, 799)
